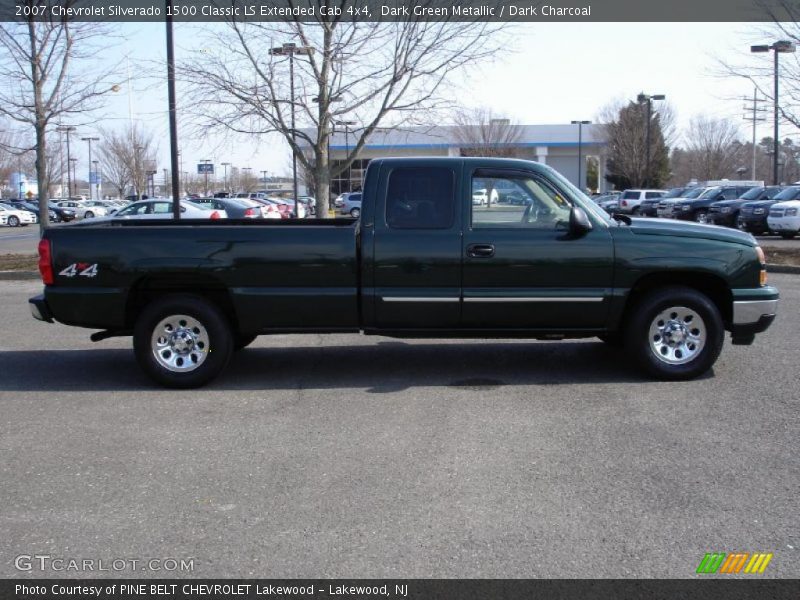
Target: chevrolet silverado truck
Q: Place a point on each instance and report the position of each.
(422, 261)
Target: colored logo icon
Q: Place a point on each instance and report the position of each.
(734, 563)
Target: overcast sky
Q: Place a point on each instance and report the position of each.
(555, 73)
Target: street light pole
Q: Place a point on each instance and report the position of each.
(73, 162)
(785, 47)
(580, 125)
(225, 165)
(347, 125)
(89, 140)
(290, 49)
(67, 129)
(641, 98)
(96, 178)
(205, 172)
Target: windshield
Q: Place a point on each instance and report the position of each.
(789, 193)
(582, 199)
(674, 193)
(752, 194)
(710, 192)
(694, 193)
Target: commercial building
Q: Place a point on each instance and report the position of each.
(555, 145)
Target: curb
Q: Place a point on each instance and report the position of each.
(18, 275)
(783, 269)
(29, 275)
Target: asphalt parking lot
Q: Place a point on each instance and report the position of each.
(349, 456)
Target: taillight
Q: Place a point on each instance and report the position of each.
(249, 213)
(624, 203)
(214, 215)
(45, 262)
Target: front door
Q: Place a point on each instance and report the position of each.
(520, 270)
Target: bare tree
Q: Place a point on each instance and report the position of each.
(713, 146)
(482, 133)
(125, 157)
(36, 58)
(373, 73)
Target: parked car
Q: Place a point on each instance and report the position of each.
(309, 203)
(649, 206)
(269, 209)
(32, 208)
(62, 215)
(665, 208)
(352, 205)
(696, 209)
(784, 218)
(608, 202)
(235, 208)
(726, 212)
(428, 269)
(162, 209)
(753, 216)
(631, 200)
(16, 216)
(83, 210)
(300, 207)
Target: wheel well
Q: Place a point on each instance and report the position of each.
(711, 285)
(147, 289)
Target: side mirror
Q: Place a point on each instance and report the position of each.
(579, 223)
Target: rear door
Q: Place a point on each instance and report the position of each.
(416, 255)
(520, 271)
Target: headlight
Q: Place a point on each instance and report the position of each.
(758, 211)
(725, 209)
(684, 207)
(790, 212)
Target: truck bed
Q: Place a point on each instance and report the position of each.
(277, 275)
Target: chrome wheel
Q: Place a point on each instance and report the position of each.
(677, 335)
(13, 221)
(701, 217)
(180, 343)
(355, 213)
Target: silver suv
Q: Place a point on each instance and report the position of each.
(630, 200)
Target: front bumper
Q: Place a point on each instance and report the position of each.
(725, 219)
(39, 309)
(754, 224)
(753, 314)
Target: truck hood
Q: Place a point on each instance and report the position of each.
(689, 229)
(759, 203)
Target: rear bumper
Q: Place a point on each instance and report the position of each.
(39, 309)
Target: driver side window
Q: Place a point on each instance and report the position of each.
(516, 201)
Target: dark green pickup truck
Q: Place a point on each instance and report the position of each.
(539, 260)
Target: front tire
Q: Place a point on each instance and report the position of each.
(675, 333)
(13, 221)
(88, 215)
(182, 341)
(785, 235)
(701, 216)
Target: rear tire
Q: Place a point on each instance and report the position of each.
(182, 341)
(88, 215)
(355, 213)
(788, 235)
(675, 333)
(701, 216)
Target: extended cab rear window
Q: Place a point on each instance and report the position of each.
(420, 198)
